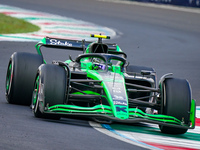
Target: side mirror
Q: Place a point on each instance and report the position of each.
(146, 72)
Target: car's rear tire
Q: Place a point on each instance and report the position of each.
(21, 72)
(176, 102)
(49, 89)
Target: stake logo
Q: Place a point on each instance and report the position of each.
(57, 42)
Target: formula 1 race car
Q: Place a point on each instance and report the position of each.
(99, 84)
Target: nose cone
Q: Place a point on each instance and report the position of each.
(116, 93)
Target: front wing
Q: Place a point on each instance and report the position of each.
(135, 115)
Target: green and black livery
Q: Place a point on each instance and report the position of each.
(99, 84)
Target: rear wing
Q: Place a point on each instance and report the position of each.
(67, 44)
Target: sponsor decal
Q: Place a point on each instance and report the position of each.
(118, 102)
(121, 109)
(116, 97)
(116, 90)
(59, 42)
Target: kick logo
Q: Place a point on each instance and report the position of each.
(123, 109)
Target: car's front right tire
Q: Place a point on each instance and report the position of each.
(176, 102)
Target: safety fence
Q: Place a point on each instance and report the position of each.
(188, 3)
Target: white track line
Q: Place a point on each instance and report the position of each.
(139, 139)
(121, 137)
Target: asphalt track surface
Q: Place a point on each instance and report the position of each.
(167, 40)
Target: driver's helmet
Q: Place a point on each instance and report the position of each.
(98, 64)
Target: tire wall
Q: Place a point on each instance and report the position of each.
(189, 3)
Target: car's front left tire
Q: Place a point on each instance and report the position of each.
(21, 72)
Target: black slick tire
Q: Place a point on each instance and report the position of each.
(176, 102)
(52, 82)
(21, 72)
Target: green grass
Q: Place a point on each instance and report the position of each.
(11, 25)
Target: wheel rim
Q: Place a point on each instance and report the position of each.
(35, 94)
(9, 78)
